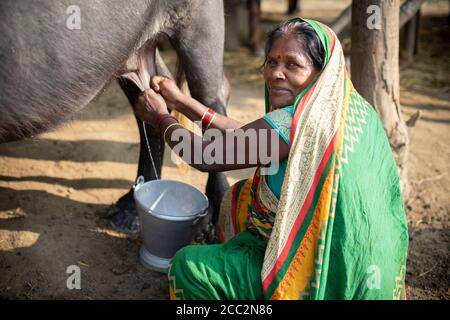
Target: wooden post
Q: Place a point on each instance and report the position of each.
(410, 37)
(407, 10)
(343, 21)
(233, 30)
(254, 26)
(293, 6)
(375, 71)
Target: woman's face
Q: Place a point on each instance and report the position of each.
(287, 71)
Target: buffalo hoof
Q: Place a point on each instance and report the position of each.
(126, 221)
(123, 219)
(123, 215)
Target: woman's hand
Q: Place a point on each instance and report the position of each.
(168, 89)
(149, 105)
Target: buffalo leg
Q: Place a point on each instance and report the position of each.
(123, 213)
(200, 47)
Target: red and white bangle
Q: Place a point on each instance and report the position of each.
(208, 118)
(203, 116)
(212, 120)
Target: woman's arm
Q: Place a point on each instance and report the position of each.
(194, 110)
(254, 144)
(188, 106)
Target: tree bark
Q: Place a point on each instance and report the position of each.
(407, 10)
(375, 72)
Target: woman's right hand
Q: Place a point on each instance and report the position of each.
(149, 106)
(168, 89)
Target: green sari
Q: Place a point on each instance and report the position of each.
(336, 229)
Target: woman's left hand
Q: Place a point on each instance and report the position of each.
(149, 105)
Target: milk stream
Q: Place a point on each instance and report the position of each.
(161, 194)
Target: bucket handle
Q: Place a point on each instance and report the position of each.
(139, 182)
(199, 217)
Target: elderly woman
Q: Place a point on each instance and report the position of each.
(330, 223)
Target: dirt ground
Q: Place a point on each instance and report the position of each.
(55, 189)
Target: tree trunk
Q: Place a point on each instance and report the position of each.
(407, 10)
(375, 71)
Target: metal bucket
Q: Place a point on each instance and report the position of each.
(169, 212)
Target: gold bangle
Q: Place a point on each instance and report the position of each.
(212, 120)
(167, 128)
